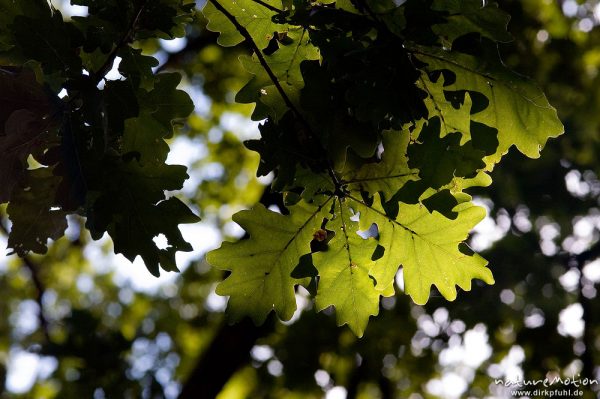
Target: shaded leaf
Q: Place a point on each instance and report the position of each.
(165, 102)
(120, 104)
(285, 64)
(144, 138)
(24, 133)
(34, 220)
(47, 40)
(137, 68)
(389, 174)
(130, 205)
(439, 160)
(468, 16)
(455, 116)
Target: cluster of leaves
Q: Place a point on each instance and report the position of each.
(377, 117)
(73, 142)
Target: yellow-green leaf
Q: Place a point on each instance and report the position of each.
(261, 266)
(427, 246)
(344, 280)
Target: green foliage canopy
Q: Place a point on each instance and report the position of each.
(99, 151)
(371, 117)
(388, 127)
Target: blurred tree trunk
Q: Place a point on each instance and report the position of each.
(229, 352)
(230, 349)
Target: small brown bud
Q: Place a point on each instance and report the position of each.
(320, 235)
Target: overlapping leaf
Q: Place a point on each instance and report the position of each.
(389, 174)
(137, 68)
(49, 40)
(427, 246)
(103, 145)
(454, 116)
(439, 160)
(370, 68)
(9, 10)
(130, 204)
(109, 20)
(379, 89)
(344, 267)
(331, 79)
(517, 107)
(253, 16)
(165, 102)
(25, 120)
(285, 65)
(31, 212)
(130, 201)
(470, 16)
(143, 138)
(325, 107)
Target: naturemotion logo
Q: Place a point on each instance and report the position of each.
(573, 381)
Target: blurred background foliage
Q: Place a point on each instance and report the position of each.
(80, 322)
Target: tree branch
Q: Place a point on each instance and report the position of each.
(356, 377)
(268, 6)
(126, 39)
(34, 268)
(263, 62)
(587, 357)
(228, 352)
(579, 261)
(193, 46)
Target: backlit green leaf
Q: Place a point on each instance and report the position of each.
(427, 246)
(389, 174)
(285, 65)
(254, 17)
(344, 267)
(517, 107)
(261, 266)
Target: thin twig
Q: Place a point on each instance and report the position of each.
(370, 12)
(39, 286)
(263, 62)
(192, 47)
(40, 290)
(268, 6)
(110, 60)
(261, 58)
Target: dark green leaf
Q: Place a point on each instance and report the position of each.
(468, 16)
(31, 212)
(47, 40)
(25, 120)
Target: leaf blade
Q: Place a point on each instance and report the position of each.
(344, 280)
(414, 232)
(261, 266)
